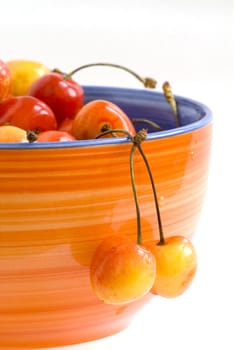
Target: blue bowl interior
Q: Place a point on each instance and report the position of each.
(138, 103)
(151, 105)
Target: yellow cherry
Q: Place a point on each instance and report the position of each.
(121, 270)
(23, 74)
(176, 265)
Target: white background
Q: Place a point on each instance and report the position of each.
(191, 44)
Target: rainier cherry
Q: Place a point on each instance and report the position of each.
(10, 133)
(176, 265)
(121, 271)
(117, 268)
(175, 256)
(23, 74)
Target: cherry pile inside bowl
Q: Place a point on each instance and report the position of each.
(42, 105)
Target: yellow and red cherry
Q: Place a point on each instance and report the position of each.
(175, 256)
(98, 116)
(23, 74)
(10, 133)
(176, 265)
(121, 270)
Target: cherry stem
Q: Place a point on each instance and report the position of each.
(147, 82)
(160, 226)
(137, 140)
(171, 100)
(31, 136)
(113, 132)
(147, 121)
(138, 214)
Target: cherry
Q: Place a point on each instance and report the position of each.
(66, 125)
(100, 115)
(176, 265)
(121, 270)
(54, 136)
(175, 256)
(61, 93)
(5, 81)
(23, 74)
(10, 133)
(28, 113)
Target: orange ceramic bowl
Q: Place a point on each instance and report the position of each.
(59, 200)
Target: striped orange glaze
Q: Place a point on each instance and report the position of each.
(57, 205)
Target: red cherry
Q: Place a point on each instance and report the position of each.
(97, 116)
(64, 95)
(66, 125)
(54, 136)
(5, 81)
(28, 113)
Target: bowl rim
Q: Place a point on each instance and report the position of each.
(205, 111)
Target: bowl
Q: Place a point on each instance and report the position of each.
(59, 200)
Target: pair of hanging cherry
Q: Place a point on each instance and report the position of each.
(122, 270)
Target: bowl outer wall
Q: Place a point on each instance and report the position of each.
(56, 206)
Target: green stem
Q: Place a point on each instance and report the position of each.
(160, 226)
(147, 82)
